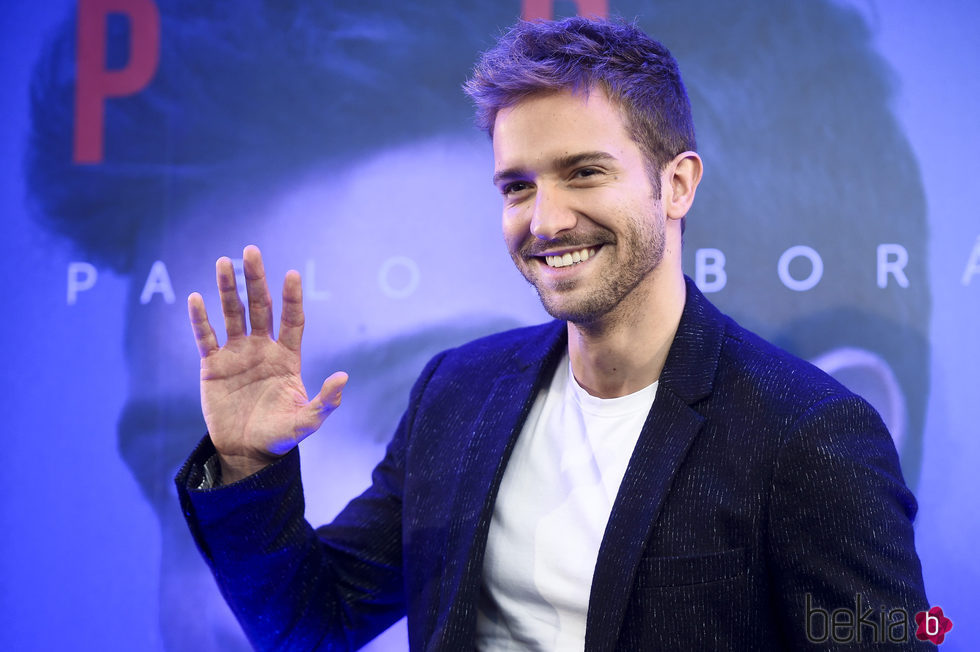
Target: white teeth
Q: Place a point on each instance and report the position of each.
(565, 260)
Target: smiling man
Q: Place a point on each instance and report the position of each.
(639, 474)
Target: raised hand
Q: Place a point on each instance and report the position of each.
(254, 402)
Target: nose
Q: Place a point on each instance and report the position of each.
(550, 215)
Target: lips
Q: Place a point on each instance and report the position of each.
(570, 258)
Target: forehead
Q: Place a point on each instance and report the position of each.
(547, 126)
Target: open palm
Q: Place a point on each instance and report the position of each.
(254, 402)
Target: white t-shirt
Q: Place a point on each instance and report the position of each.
(554, 501)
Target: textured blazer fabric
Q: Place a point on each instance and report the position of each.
(760, 492)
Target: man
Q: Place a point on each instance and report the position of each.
(640, 473)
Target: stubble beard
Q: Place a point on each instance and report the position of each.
(644, 244)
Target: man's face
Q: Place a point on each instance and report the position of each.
(582, 220)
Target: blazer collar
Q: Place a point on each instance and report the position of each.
(543, 351)
(494, 432)
(667, 435)
(692, 362)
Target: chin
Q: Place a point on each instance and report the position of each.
(580, 311)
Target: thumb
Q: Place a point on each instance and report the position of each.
(311, 417)
(328, 399)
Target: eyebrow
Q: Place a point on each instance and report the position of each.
(560, 163)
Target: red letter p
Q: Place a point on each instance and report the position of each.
(94, 82)
(545, 9)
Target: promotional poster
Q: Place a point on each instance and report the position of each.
(838, 217)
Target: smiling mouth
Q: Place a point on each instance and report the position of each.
(570, 258)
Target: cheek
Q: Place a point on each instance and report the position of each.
(515, 228)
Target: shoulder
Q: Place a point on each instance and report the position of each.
(465, 372)
(714, 356)
(811, 424)
(786, 393)
(504, 352)
(456, 383)
(748, 358)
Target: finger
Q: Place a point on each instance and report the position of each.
(320, 407)
(259, 300)
(203, 333)
(329, 397)
(291, 324)
(231, 303)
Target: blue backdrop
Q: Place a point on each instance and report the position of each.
(142, 139)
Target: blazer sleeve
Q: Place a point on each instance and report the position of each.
(841, 533)
(290, 586)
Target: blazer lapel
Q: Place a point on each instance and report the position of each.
(667, 434)
(494, 433)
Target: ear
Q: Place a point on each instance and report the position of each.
(679, 183)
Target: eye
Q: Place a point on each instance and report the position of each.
(514, 188)
(583, 173)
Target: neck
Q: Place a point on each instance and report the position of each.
(626, 350)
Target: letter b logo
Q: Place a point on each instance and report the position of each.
(932, 625)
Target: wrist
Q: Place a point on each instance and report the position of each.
(238, 467)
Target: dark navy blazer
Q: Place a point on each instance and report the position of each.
(760, 497)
